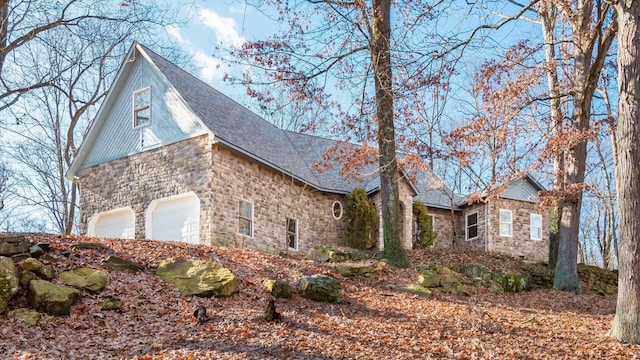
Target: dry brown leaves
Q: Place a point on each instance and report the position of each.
(375, 321)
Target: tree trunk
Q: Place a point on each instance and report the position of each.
(548, 15)
(626, 323)
(381, 64)
(4, 27)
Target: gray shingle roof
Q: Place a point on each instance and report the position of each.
(293, 153)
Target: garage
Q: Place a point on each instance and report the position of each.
(175, 218)
(118, 224)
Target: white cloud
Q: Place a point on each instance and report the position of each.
(210, 68)
(224, 28)
(175, 34)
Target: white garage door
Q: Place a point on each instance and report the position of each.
(118, 224)
(175, 218)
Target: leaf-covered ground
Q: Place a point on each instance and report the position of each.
(374, 322)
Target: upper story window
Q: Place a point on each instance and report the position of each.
(245, 218)
(506, 223)
(535, 226)
(472, 226)
(142, 107)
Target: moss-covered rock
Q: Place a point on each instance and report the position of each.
(198, 277)
(51, 298)
(110, 304)
(321, 287)
(9, 281)
(31, 317)
(116, 263)
(278, 288)
(429, 278)
(85, 278)
(363, 271)
(31, 264)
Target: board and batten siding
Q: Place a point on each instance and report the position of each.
(522, 190)
(171, 118)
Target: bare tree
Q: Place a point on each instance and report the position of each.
(54, 72)
(626, 323)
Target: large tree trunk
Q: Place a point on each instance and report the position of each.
(4, 27)
(626, 323)
(548, 15)
(381, 64)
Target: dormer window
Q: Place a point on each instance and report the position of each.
(142, 107)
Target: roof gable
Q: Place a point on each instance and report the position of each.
(112, 134)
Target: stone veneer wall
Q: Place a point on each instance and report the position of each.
(478, 243)
(139, 179)
(274, 197)
(443, 226)
(520, 243)
(406, 199)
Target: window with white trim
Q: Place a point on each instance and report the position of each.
(245, 218)
(337, 210)
(292, 233)
(472, 226)
(535, 226)
(506, 222)
(142, 107)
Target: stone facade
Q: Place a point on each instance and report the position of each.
(137, 180)
(275, 197)
(520, 243)
(220, 178)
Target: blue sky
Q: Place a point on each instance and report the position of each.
(220, 23)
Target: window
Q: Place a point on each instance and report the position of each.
(506, 223)
(245, 218)
(337, 210)
(535, 226)
(142, 107)
(292, 233)
(472, 226)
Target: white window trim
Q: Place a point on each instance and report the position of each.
(500, 222)
(531, 226)
(287, 232)
(253, 222)
(466, 227)
(341, 210)
(133, 102)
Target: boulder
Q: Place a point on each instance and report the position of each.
(278, 288)
(198, 277)
(110, 304)
(46, 272)
(9, 281)
(26, 277)
(51, 298)
(510, 282)
(85, 278)
(31, 317)
(429, 278)
(321, 287)
(478, 273)
(361, 271)
(324, 254)
(120, 264)
(450, 284)
(35, 251)
(12, 245)
(31, 264)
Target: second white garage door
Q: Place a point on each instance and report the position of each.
(174, 218)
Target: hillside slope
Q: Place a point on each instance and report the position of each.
(374, 322)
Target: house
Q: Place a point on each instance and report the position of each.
(170, 158)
